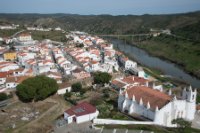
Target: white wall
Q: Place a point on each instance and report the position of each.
(121, 122)
(2, 81)
(86, 118)
(11, 85)
(63, 91)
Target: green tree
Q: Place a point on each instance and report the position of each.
(102, 77)
(76, 87)
(3, 96)
(67, 95)
(36, 88)
(183, 124)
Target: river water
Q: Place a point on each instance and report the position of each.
(145, 59)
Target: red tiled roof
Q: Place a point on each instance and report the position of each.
(25, 34)
(94, 62)
(134, 79)
(118, 83)
(3, 74)
(81, 109)
(154, 97)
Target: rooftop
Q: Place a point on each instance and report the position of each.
(81, 109)
(154, 97)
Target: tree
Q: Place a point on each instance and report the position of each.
(102, 77)
(183, 124)
(67, 95)
(36, 88)
(76, 87)
(3, 96)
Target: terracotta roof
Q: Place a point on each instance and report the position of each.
(134, 79)
(94, 62)
(154, 97)
(25, 34)
(81, 109)
(3, 74)
(16, 70)
(22, 78)
(16, 79)
(64, 85)
(78, 70)
(11, 79)
(118, 83)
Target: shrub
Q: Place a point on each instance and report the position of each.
(102, 77)
(36, 88)
(77, 87)
(3, 96)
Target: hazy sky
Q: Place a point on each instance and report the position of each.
(114, 7)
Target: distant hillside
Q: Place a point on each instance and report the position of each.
(107, 24)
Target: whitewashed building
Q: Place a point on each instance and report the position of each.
(63, 88)
(80, 113)
(159, 107)
(25, 37)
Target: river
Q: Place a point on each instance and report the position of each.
(145, 59)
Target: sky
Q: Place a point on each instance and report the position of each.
(96, 7)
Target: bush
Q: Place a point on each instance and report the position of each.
(77, 87)
(102, 77)
(67, 95)
(36, 88)
(3, 96)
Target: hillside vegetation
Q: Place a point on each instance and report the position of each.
(107, 24)
(180, 51)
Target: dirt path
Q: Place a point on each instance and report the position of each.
(46, 118)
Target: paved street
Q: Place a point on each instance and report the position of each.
(196, 121)
(86, 128)
(76, 128)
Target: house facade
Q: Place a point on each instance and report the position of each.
(80, 113)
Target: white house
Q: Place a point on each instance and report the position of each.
(126, 63)
(25, 37)
(80, 113)
(77, 39)
(58, 29)
(6, 66)
(11, 82)
(3, 76)
(157, 106)
(127, 81)
(23, 56)
(137, 71)
(63, 88)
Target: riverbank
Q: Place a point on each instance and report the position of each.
(181, 52)
(157, 73)
(142, 57)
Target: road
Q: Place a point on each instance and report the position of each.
(17, 33)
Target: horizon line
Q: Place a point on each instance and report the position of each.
(103, 14)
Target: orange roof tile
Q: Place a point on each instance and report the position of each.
(154, 97)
